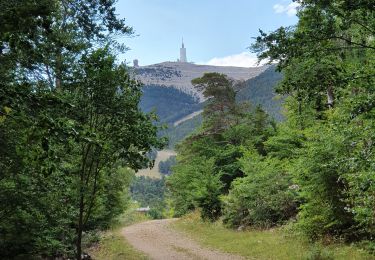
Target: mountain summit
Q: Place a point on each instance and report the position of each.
(179, 74)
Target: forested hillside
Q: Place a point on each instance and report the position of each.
(149, 192)
(170, 104)
(261, 90)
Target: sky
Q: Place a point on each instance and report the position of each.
(215, 32)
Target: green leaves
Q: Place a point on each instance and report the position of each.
(265, 197)
(69, 119)
(328, 64)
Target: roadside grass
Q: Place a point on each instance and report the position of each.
(112, 244)
(277, 244)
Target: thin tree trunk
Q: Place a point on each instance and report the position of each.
(80, 225)
(58, 70)
(81, 203)
(330, 97)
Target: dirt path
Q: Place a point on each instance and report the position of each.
(157, 240)
(187, 117)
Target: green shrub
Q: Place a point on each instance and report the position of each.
(196, 185)
(209, 197)
(155, 214)
(319, 172)
(265, 197)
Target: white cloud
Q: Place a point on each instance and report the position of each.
(290, 9)
(243, 59)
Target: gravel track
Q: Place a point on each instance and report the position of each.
(156, 239)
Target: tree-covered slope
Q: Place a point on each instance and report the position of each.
(261, 91)
(170, 104)
(177, 133)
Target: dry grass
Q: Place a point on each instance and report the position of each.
(154, 172)
(113, 245)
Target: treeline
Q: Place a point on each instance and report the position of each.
(315, 169)
(70, 127)
(165, 167)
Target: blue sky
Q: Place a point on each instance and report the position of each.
(215, 32)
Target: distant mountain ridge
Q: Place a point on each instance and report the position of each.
(179, 74)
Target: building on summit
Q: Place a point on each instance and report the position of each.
(183, 53)
(135, 63)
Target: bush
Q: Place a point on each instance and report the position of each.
(196, 185)
(265, 197)
(155, 214)
(319, 171)
(209, 197)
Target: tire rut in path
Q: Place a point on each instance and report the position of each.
(159, 242)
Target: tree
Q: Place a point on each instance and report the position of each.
(330, 38)
(208, 160)
(112, 129)
(69, 125)
(221, 104)
(328, 63)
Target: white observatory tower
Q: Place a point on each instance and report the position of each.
(183, 52)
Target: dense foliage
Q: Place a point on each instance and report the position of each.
(70, 127)
(264, 197)
(207, 161)
(328, 63)
(315, 167)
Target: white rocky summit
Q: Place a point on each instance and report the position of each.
(180, 74)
